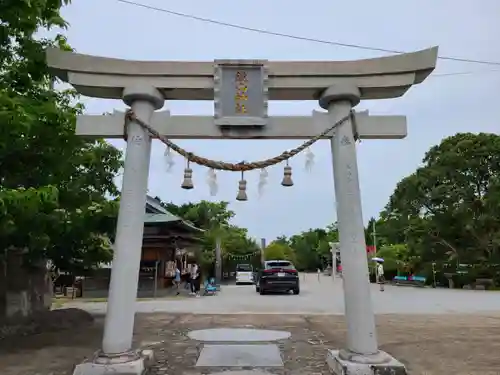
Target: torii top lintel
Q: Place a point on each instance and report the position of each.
(378, 78)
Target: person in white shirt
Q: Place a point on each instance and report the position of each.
(177, 280)
(192, 279)
(195, 279)
(380, 275)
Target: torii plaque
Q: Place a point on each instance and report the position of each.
(338, 87)
(240, 93)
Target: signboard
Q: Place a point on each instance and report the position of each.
(240, 93)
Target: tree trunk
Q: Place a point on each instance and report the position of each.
(3, 288)
(25, 291)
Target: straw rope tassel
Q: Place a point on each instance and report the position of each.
(187, 183)
(287, 176)
(242, 189)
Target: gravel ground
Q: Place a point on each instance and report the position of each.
(427, 344)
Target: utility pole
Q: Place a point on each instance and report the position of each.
(216, 227)
(218, 261)
(262, 247)
(334, 246)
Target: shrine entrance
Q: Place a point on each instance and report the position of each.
(241, 90)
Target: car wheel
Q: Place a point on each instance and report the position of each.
(296, 291)
(262, 292)
(257, 289)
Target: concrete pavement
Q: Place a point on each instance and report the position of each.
(319, 297)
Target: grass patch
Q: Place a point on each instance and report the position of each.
(59, 302)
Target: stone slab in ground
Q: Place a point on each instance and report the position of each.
(265, 355)
(238, 334)
(426, 344)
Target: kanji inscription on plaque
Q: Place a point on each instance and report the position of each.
(240, 93)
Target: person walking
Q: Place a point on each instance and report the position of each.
(380, 275)
(197, 281)
(193, 278)
(177, 280)
(187, 279)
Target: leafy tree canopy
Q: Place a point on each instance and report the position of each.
(447, 211)
(278, 251)
(53, 184)
(311, 248)
(443, 215)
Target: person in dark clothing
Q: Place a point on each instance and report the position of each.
(195, 279)
(187, 285)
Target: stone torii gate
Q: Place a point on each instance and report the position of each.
(241, 113)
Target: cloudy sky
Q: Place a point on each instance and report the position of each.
(442, 106)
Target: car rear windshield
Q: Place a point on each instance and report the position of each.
(244, 268)
(279, 264)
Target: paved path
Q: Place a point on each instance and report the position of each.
(427, 344)
(320, 297)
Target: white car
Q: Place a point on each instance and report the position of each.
(244, 274)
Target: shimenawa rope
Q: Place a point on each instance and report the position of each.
(224, 166)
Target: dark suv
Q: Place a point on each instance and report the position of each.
(278, 276)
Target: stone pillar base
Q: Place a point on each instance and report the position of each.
(137, 364)
(380, 364)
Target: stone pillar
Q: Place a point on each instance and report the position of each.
(362, 349)
(119, 323)
(117, 355)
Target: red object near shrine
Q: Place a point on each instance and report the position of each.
(371, 249)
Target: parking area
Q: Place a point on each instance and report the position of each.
(320, 295)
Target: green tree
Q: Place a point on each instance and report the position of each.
(279, 251)
(369, 232)
(391, 228)
(312, 247)
(448, 209)
(53, 184)
(205, 215)
(238, 245)
(396, 258)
